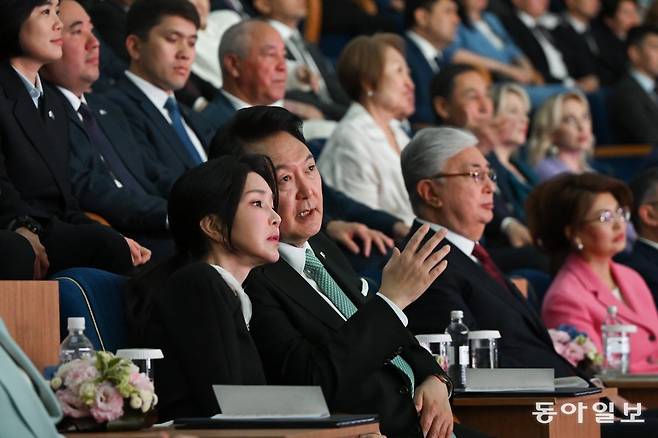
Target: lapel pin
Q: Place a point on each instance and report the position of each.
(51, 114)
(322, 255)
(102, 112)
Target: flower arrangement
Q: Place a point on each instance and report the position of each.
(103, 388)
(576, 348)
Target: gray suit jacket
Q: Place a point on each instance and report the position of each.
(27, 409)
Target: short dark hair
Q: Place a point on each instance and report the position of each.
(643, 186)
(13, 13)
(410, 7)
(144, 15)
(638, 34)
(251, 125)
(563, 201)
(609, 7)
(443, 83)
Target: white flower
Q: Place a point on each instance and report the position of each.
(147, 398)
(56, 383)
(135, 402)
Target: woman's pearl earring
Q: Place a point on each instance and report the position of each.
(370, 93)
(579, 244)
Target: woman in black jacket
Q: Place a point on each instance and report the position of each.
(192, 306)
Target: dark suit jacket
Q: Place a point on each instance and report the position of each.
(218, 111)
(152, 128)
(109, 18)
(34, 154)
(578, 56)
(197, 322)
(93, 182)
(632, 113)
(303, 341)
(612, 58)
(421, 74)
(644, 259)
(335, 109)
(526, 41)
(466, 286)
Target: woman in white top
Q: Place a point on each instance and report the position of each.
(362, 157)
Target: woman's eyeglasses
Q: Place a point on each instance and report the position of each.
(478, 175)
(608, 216)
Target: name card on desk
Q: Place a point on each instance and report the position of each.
(265, 401)
(510, 379)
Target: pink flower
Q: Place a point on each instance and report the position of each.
(78, 372)
(141, 382)
(72, 406)
(574, 353)
(108, 405)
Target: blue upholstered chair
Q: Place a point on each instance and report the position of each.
(98, 297)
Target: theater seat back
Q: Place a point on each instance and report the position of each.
(98, 297)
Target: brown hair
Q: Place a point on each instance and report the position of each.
(563, 202)
(361, 64)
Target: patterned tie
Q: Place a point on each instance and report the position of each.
(181, 132)
(317, 272)
(488, 264)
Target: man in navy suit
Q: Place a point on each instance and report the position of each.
(110, 172)
(644, 258)
(431, 27)
(160, 42)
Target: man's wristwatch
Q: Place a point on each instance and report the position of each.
(26, 222)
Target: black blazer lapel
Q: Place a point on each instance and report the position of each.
(283, 277)
(157, 119)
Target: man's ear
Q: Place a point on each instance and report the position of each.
(427, 191)
(648, 215)
(441, 107)
(133, 46)
(231, 65)
(263, 7)
(211, 227)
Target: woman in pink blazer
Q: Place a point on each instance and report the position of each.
(580, 220)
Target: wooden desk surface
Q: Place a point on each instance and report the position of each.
(637, 389)
(511, 417)
(342, 432)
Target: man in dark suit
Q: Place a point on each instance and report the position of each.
(539, 46)
(16, 257)
(160, 42)
(431, 27)
(109, 17)
(633, 102)
(453, 190)
(644, 258)
(314, 320)
(110, 172)
(311, 76)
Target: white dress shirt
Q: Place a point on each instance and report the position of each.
(296, 257)
(429, 51)
(239, 104)
(206, 64)
(464, 244)
(236, 287)
(358, 160)
(647, 84)
(35, 90)
(158, 97)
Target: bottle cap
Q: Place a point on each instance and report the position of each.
(484, 334)
(456, 314)
(612, 310)
(76, 323)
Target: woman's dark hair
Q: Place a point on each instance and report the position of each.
(213, 188)
(563, 201)
(144, 15)
(13, 13)
(609, 7)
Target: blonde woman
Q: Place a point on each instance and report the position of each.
(515, 177)
(562, 137)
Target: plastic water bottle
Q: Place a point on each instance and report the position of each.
(616, 345)
(458, 352)
(76, 345)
